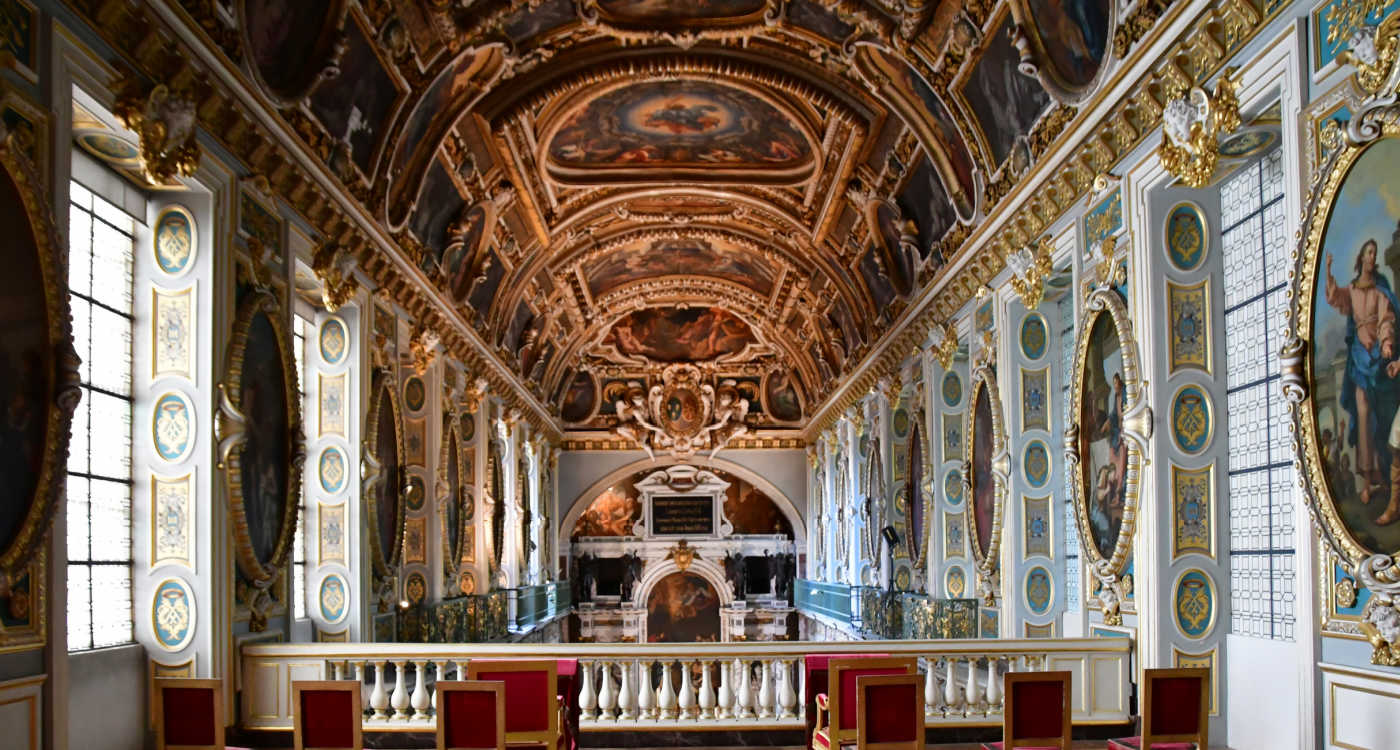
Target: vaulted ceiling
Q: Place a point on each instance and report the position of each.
(605, 187)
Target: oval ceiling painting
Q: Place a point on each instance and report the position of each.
(664, 129)
(291, 44)
(680, 334)
(1072, 37)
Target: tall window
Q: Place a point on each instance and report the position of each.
(1261, 473)
(1065, 308)
(99, 461)
(299, 328)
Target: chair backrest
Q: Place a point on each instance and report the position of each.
(471, 715)
(1037, 711)
(189, 713)
(1176, 706)
(890, 712)
(326, 715)
(532, 696)
(841, 689)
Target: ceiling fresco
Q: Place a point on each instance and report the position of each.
(603, 188)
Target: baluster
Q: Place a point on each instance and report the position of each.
(707, 692)
(971, 696)
(685, 702)
(587, 699)
(801, 689)
(626, 698)
(461, 669)
(420, 689)
(666, 698)
(646, 694)
(399, 700)
(607, 696)
(787, 697)
(724, 707)
(765, 689)
(930, 687)
(993, 684)
(360, 678)
(744, 704)
(951, 694)
(439, 675)
(338, 670)
(379, 700)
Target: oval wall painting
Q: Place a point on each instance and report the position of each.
(174, 240)
(1350, 287)
(386, 507)
(984, 493)
(25, 319)
(1103, 450)
(267, 453)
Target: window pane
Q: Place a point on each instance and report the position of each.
(78, 528)
(99, 509)
(111, 435)
(79, 251)
(111, 605)
(111, 518)
(79, 608)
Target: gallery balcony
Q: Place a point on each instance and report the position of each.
(668, 687)
(869, 612)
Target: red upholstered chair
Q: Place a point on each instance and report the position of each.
(471, 715)
(840, 702)
(189, 714)
(532, 697)
(815, 681)
(890, 712)
(1037, 712)
(326, 715)
(1175, 711)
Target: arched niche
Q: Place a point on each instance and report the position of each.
(785, 505)
(655, 578)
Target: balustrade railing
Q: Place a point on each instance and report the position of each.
(658, 686)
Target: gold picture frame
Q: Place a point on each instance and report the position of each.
(1105, 305)
(232, 431)
(385, 554)
(997, 469)
(58, 396)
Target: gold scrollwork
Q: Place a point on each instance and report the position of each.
(1030, 267)
(165, 120)
(984, 386)
(1192, 124)
(335, 267)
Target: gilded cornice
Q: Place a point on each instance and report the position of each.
(244, 126)
(1050, 189)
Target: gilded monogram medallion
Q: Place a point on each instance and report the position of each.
(334, 598)
(1039, 587)
(955, 582)
(1191, 419)
(174, 240)
(1194, 600)
(1186, 236)
(332, 468)
(173, 614)
(952, 388)
(172, 426)
(1033, 337)
(334, 342)
(1035, 464)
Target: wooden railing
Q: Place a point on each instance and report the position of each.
(655, 686)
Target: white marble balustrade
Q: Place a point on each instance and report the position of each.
(658, 686)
